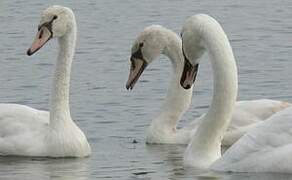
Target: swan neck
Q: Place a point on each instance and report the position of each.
(208, 137)
(60, 110)
(177, 100)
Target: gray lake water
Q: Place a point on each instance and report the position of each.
(112, 117)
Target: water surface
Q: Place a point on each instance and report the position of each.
(112, 118)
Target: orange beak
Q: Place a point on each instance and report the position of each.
(137, 68)
(189, 74)
(42, 36)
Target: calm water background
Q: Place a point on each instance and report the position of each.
(111, 117)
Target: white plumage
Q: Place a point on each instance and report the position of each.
(265, 148)
(25, 131)
(203, 33)
(163, 128)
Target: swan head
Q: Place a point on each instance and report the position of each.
(55, 21)
(193, 49)
(149, 44)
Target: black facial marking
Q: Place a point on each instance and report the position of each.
(188, 67)
(141, 45)
(48, 25)
(138, 54)
(184, 52)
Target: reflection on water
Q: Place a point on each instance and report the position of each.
(113, 118)
(42, 168)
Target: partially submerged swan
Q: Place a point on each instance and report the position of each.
(155, 40)
(25, 131)
(203, 33)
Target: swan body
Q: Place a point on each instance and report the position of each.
(247, 114)
(265, 148)
(25, 131)
(155, 40)
(203, 33)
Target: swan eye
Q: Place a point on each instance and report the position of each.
(141, 45)
(55, 17)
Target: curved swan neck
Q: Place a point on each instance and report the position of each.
(60, 110)
(177, 100)
(207, 140)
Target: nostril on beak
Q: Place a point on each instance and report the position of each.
(41, 34)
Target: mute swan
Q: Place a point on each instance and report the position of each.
(265, 148)
(155, 40)
(29, 132)
(202, 33)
